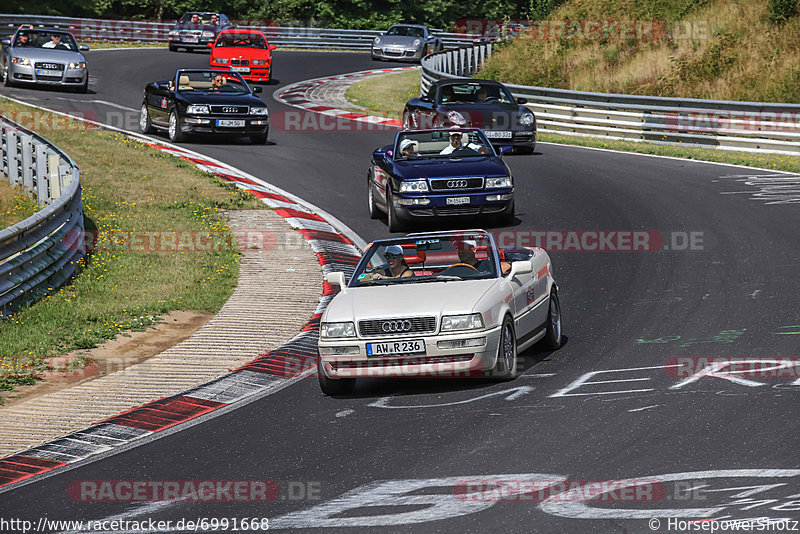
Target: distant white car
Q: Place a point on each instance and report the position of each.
(437, 304)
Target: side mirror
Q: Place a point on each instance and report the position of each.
(506, 149)
(6, 42)
(210, 45)
(426, 99)
(520, 267)
(273, 47)
(336, 278)
(257, 89)
(522, 101)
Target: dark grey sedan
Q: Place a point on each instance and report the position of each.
(406, 42)
(47, 57)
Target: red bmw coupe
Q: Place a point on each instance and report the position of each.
(244, 51)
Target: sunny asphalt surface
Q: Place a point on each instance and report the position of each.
(732, 298)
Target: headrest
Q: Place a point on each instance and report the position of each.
(183, 80)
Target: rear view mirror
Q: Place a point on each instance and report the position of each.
(336, 278)
(257, 89)
(210, 45)
(273, 47)
(506, 149)
(6, 42)
(522, 101)
(426, 99)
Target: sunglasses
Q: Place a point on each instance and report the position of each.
(391, 256)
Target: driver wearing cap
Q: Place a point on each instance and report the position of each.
(456, 142)
(466, 254)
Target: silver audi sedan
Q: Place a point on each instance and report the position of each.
(46, 57)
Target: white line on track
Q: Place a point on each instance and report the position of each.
(645, 408)
(104, 102)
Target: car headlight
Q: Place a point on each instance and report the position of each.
(221, 60)
(416, 42)
(208, 35)
(258, 111)
(173, 33)
(456, 118)
(337, 330)
(415, 186)
(498, 181)
(197, 109)
(20, 60)
(472, 321)
(259, 62)
(77, 65)
(377, 40)
(526, 119)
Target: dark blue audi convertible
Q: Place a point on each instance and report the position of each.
(439, 173)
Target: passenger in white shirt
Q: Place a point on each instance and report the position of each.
(456, 143)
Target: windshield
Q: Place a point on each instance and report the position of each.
(406, 31)
(243, 40)
(211, 82)
(413, 145)
(420, 259)
(45, 39)
(199, 18)
(474, 93)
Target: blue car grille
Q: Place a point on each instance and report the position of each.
(456, 183)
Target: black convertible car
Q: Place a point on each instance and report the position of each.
(204, 102)
(471, 103)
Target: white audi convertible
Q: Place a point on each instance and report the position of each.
(437, 304)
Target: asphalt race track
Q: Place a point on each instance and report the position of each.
(714, 446)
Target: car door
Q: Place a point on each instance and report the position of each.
(159, 103)
(380, 173)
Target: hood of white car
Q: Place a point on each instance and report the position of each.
(407, 300)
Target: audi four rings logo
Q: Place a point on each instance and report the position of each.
(396, 326)
(229, 110)
(454, 184)
(52, 66)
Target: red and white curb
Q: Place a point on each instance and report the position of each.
(337, 248)
(296, 95)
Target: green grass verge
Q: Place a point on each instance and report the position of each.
(15, 206)
(386, 95)
(127, 187)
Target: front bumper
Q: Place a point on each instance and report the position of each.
(460, 362)
(519, 138)
(397, 54)
(206, 124)
(27, 74)
(259, 73)
(182, 42)
(483, 202)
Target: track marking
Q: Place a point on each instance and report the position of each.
(511, 394)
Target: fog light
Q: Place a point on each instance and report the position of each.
(258, 123)
(492, 198)
(339, 351)
(461, 343)
(413, 201)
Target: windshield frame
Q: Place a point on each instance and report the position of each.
(409, 28)
(503, 90)
(228, 74)
(252, 36)
(397, 154)
(72, 44)
(369, 259)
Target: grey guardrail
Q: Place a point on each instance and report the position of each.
(40, 253)
(717, 124)
(149, 31)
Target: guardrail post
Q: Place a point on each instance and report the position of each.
(54, 178)
(26, 142)
(12, 158)
(42, 189)
(4, 150)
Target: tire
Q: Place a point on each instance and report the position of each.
(505, 368)
(175, 133)
(507, 218)
(7, 77)
(335, 386)
(395, 225)
(144, 120)
(173, 48)
(260, 139)
(552, 339)
(374, 212)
